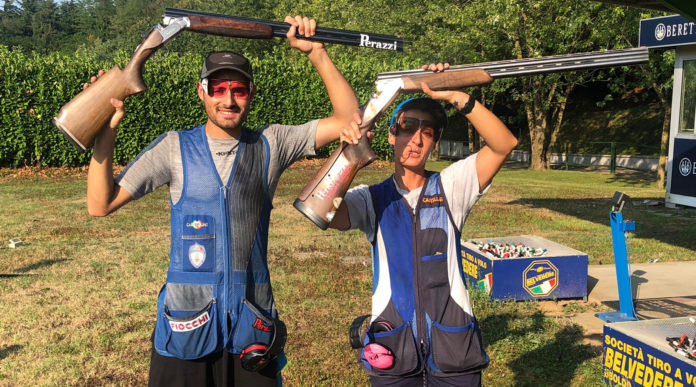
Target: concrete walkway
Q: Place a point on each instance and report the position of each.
(660, 290)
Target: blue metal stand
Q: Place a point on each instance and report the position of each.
(619, 239)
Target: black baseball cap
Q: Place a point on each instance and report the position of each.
(227, 60)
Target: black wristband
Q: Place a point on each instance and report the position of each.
(468, 106)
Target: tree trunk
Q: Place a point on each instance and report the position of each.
(557, 116)
(473, 140)
(536, 122)
(664, 148)
(435, 154)
(536, 135)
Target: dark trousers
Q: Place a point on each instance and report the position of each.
(220, 369)
(425, 379)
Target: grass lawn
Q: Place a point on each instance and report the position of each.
(78, 301)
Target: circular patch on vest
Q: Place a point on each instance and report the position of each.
(196, 255)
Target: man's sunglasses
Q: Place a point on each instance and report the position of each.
(410, 125)
(218, 88)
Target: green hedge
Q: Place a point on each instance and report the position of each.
(34, 87)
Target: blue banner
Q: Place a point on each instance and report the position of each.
(667, 31)
(630, 362)
(684, 167)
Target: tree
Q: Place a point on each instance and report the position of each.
(11, 25)
(505, 29)
(655, 76)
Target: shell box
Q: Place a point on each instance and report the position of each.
(560, 273)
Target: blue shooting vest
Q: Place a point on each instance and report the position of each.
(218, 284)
(419, 288)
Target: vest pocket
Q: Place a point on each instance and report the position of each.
(435, 286)
(456, 349)
(199, 254)
(183, 332)
(402, 344)
(253, 327)
(198, 243)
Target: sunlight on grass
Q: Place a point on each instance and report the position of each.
(79, 299)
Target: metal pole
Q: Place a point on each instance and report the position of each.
(612, 164)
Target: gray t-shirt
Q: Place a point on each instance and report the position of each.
(160, 163)
(459, 180)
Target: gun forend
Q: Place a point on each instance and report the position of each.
(230, 27)
(446, 80)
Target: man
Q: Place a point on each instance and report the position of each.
(422, 329)
(216, 317)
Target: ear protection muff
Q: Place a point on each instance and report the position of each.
(392, 129)
(256, 356)
(376, 354)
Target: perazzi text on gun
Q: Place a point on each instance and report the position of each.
(321, 197)
(81, 119)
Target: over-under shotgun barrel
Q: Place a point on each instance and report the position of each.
(546, 64)
(204, 22)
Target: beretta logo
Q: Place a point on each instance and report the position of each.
(660, 31)
(685, 167)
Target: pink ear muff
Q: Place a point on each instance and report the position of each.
(378, 356)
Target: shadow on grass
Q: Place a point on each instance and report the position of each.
(624, 176)
(23, 271)
(542, 360)
(40, 265)
(671, 226)
(7, 351)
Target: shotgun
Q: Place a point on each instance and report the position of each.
(81, 119)
(322, 196)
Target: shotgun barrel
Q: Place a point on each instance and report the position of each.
(200, 20)
(546, 64)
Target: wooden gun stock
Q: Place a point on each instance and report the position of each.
(81, 119)
(322, 196)
(229, 27)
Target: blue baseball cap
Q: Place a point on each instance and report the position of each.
(427, 104)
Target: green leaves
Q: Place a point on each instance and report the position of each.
(34, 87)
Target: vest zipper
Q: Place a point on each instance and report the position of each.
(225, 257)
(420, 317)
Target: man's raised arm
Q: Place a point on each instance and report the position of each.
(103, 195)
(343, 99)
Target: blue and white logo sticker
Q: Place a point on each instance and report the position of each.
(196, 255)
